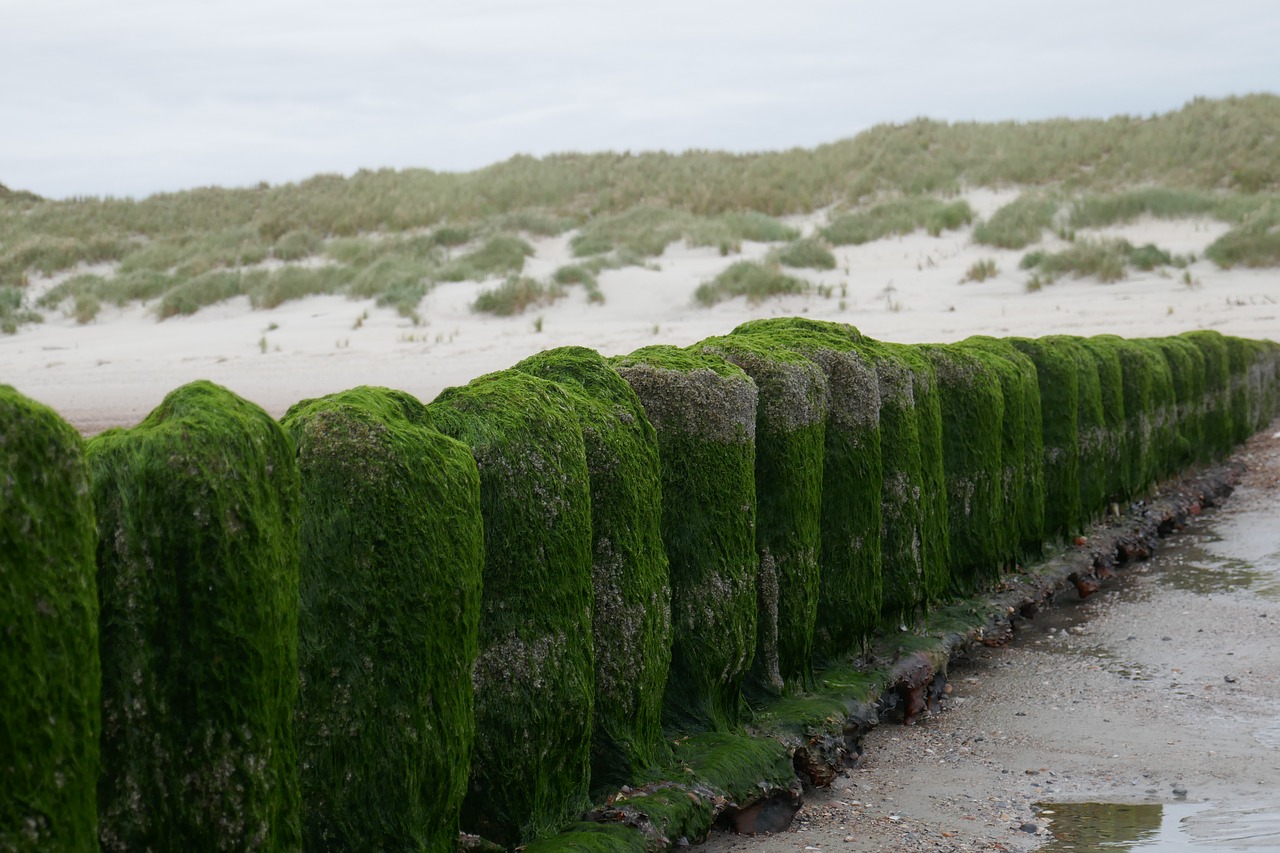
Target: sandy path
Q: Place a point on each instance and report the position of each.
(1163, 688)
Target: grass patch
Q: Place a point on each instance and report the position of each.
(1099, 211)
(13, 310)
(981, 270)
(191, 295)
(898, 217)
(580, 274)
(810, 253)
(753, 280)
(498, 255)
(515, 295)
(1106, 259)
(1255, 242)
(1019, 223)
(647, 230)
(269, 290)
(296, 245)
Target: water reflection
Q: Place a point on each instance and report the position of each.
(1146, 828)
(1119, 826)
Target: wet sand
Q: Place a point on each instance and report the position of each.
(1162, 688)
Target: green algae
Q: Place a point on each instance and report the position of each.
(1091, 425)
(631, 623)
(850, 595)
(1216, 428)
(392, 554)
(49, 671)
(1187, 370)
(1022, 446)
(902, 488)
(1058, 373)
(1166, 449)
(534, 677)
(197, 521)
(704, 411)
(790, 435)
(973, 430)
(1112, 436)
(1239, 357)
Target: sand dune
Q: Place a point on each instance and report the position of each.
(116, 369)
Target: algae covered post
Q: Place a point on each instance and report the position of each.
(1022, 446)
(392, 554)
(704, 411)
(534, 676)
(850, 592)
(790, 433)
(1058, 374)
(197, 512)
(49, 671)
(913, 516)
(631, 621)
(973, 425)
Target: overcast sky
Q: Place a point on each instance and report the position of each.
(138, 96)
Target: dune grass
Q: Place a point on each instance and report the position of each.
(1254, 242)
(897, 217)
(1203, 159)
(580, 274)
(810, 253)
(499, 255)
(981, 270)
(755, 281)
(516, 295)
(1107, 260)
(1019, 223)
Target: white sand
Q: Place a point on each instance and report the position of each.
(115, 370)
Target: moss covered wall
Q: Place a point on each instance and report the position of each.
(786, 490)
(631, 624)
(392, 554)
(1216, 428)
(1113, 453)
(791, 416)
(534, 677)
(1022, 446)
(1091, 425)
(49, 672)
(197, 520)
(850, 592)
(704, 411)
(972, 437)
(1058, 373)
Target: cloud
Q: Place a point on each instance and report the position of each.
(134, 97)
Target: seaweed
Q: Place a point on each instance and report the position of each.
(851, 594)
(1216, 428)
(1091, 425)
(197, 551)
(392, 554)
(704, 411)
(535, 674)
(1058, 374)
(1112, 436)
(1187, 368)
(1022, 446)
(50, 676)
(973, 435)
(790, 433)
(631, 623)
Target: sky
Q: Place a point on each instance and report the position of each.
(133, 97)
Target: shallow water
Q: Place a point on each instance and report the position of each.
(1168, 828)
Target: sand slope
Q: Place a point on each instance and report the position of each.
(116, 369)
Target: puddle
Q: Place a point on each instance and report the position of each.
(1195, 568)
(1169, 828)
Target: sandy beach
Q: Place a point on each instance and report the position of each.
(113, 371)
